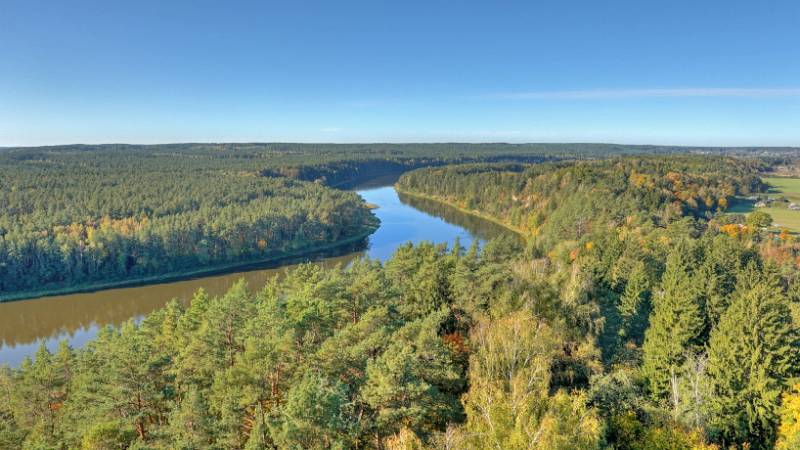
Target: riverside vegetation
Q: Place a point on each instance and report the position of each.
(79, 217)
(638, 316)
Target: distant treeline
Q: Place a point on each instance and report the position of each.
(77, 214)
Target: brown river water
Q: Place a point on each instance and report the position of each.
(77, 317)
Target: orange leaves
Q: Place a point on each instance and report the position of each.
(734, 229)
(778, 252)
(456, 342)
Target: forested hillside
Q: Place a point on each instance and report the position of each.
(565, 200)
(81, 216)
(71, 221)
(639, 319)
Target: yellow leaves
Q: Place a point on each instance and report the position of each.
(789, 428)
(722, 203)
(639, 180)
(508, 405)
(90, 236)
(405, 439)
(674, 177)
(262, 244)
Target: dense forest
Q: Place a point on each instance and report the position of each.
(67, 224)
(639, 316)
(78, 216)
(85, 216)
(565, 200)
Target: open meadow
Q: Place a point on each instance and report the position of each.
(783, 191)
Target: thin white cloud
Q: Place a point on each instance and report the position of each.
(495, 133)
(330, 129)
(603, 94)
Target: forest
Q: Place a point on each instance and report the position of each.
(80, 217)
(66, 224)
(637, 316)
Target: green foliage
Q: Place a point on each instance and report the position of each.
(325, 358)
(676, 322)
(568, 200)
(631, 322)
(508, 405)
(759, 219)
(67, 220)
(752, 354)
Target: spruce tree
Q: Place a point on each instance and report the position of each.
(752, 353)
(676, 322)
(631, 305)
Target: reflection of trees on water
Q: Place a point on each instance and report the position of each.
(480, 228)
(27, 321)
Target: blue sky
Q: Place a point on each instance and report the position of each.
(674, 72)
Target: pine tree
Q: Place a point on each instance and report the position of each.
(314, 414)
(190, 426)
(257, 439)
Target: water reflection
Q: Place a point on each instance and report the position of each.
(484, 229)
(78, 317)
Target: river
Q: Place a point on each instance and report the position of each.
(77, 317)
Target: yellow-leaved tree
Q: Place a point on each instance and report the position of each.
(789, 429)
(508, 405)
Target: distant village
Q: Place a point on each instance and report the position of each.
(762, 202)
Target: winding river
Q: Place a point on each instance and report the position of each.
(78, 317)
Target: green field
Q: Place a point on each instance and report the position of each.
(782, 216)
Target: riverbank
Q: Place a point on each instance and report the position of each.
(527, 236)
(277, 258)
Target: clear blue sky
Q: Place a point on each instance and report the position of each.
(695, 72)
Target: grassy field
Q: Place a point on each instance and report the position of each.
(782, 216)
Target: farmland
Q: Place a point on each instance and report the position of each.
(782, 192)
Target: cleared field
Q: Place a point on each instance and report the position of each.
(785, 187)
(782, 216)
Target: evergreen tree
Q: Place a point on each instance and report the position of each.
(632, 304)
(752, 353)
(315, 415)
(676, 322)
(190, 424)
